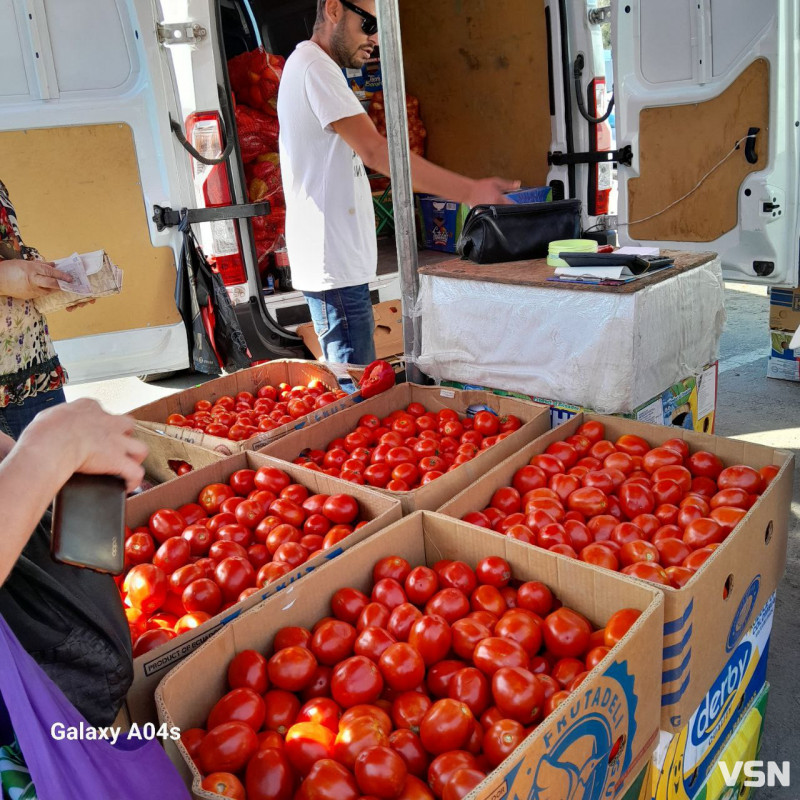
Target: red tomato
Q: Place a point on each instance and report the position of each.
(227, 748)
(329, 780)
(727, 517)
(152, 639)
(432, 637)
(536, 597)
(632, 445)
(450, 604)
(518, 694)
(241, 704)
(224, 784)
(248, 669)
(566, 632)
(234, 575)
(380, 772)
(146, 586)
(421, 584)
(166, 523)
(139, 549)
(470, 686)
(588, 501)
(291, 668)
(703, 531)
(462, 782)
(741, 477)
(356, 680)
(704, 464)
(564, 452)
(494, 571)
(619, 624)
(446, 726)
(507, 499)
(501, 739)
(636, 499)
(672, 551)
(521, 626)
(242, 481)
(493, 653)
(202, 594)
(407, 744)
(647, 571)
(211, 497)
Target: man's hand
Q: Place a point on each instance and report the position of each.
(27, 280)
(81, 437)
(489, 191)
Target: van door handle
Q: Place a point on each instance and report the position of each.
(750, 146)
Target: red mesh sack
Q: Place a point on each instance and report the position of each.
(254, 78)
(416, 130)
(264, 180)
(258, 133)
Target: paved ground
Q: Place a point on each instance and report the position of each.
(750, 407)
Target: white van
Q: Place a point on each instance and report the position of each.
(96, 94)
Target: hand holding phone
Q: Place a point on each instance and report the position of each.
(88, 527)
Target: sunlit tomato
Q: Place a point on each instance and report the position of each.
(619, 624)
(248, 669)
(727, 517)
(566, 632)
(341, 508)
(431, 636)
(494, 571)
(402, 667)
(735, 497)
(632, 445)
(401, 620)
(234, 532)
(147, 587)
(741, 477)
(536, 597)
(166, 523)
(647, 571)
(679, 575)
(329, 780)
(227, 748)
(333, 641)
(518, 694)
(564, 452)
(704, 464)
(355, 734)
(202, 594)
(487, 598)
(635, 499)
(282, 709)
(466, 633)
(450, 604)
(507, 499)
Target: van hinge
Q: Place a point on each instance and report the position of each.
(180, 33)
(622, 156)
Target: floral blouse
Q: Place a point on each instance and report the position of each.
(28, 362)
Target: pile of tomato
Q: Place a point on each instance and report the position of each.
(652, 512)
(416, 691)
(243, 416)
(410, 447)
(189, 563)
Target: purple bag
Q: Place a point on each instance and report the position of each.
(74, 769)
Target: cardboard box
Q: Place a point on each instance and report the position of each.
(702, 627)
(165, 453)
(388, 336)
(153, 416)
(434, 494)
(441, 222)
(784, 309)
(743, 745)
(689, 404)
(683, 761)
(379, 509)
(568, 753)
(784, 362)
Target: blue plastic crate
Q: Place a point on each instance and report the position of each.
(532, 194)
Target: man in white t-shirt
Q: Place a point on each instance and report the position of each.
(326, 138)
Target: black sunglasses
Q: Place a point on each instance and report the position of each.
(369, 23)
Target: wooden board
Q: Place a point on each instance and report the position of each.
(77, 189)
(480, 71)
(680, 144)
(534, 273)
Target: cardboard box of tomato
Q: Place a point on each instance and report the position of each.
(535, 421)
(153, 416)
(592, 745)
(706, 618)
(378, 510)
(169, 458)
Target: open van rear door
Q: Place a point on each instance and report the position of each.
(706, 97)
(86, 151)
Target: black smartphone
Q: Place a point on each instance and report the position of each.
(89, 523)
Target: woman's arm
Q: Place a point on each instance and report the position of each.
(73, 437)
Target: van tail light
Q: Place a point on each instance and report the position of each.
(220, 240)
(599, 189)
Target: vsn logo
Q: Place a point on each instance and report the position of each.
(755, 774)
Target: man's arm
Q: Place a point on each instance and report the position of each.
(361, 134)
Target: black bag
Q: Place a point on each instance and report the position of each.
(216, 340)
(492, 234)
(72, 622)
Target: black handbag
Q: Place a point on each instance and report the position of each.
(72, 622)
(492, 234)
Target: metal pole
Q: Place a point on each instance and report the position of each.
(394, 93)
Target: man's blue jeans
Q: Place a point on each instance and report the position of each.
(15, 418)
(344, 324)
